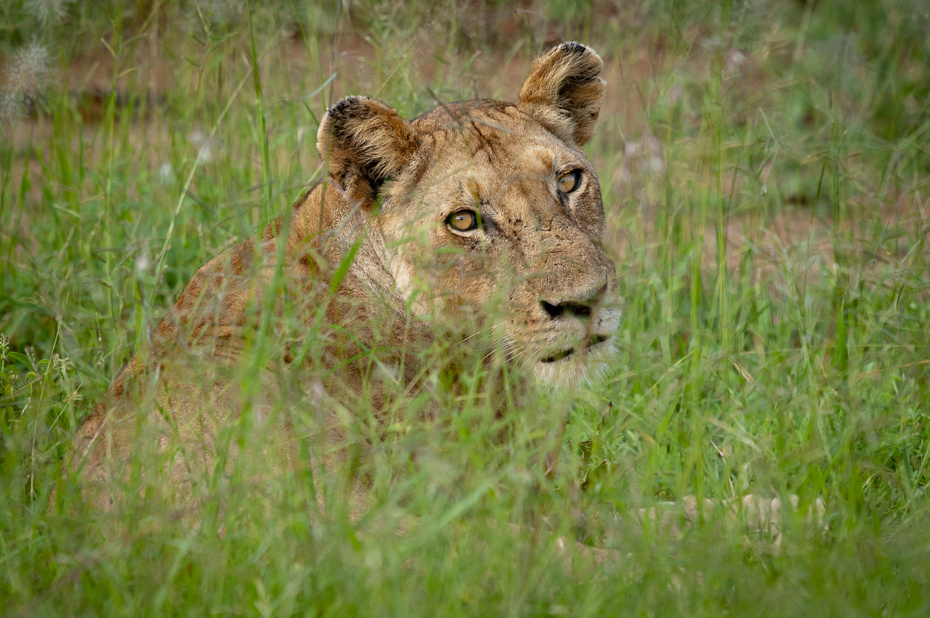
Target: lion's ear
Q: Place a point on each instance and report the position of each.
(364, 142)
(564, 91)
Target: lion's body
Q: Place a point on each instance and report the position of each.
(375, 253)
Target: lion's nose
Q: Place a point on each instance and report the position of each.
(580, 308)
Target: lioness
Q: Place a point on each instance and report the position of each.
(502, 201)
(414, 221)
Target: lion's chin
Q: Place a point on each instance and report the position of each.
(572, 368)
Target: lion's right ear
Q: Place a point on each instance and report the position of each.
(564, 92)
(364, 142)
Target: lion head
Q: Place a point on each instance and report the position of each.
(486, 199)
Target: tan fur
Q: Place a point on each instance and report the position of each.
(390, 187)
(564, 92)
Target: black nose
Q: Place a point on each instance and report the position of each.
(578, 308)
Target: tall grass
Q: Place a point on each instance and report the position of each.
(764, 173)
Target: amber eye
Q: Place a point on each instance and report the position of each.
(568, 181)
(462, 221)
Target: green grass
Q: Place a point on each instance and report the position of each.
(789, 356)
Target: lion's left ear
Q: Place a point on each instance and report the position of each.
(564, 92)
(364, 142)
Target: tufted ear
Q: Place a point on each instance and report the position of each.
(365, 141)
(564, 92)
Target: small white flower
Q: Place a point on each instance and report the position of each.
(205, 154)
(165, 173)
(207, 146)
(11, 107)
(734, 60)
(48, 12)
(142, 263)
(30, 69)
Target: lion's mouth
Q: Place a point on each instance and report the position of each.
(593, 341)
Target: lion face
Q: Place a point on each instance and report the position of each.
(515, 214)
(484, 202)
